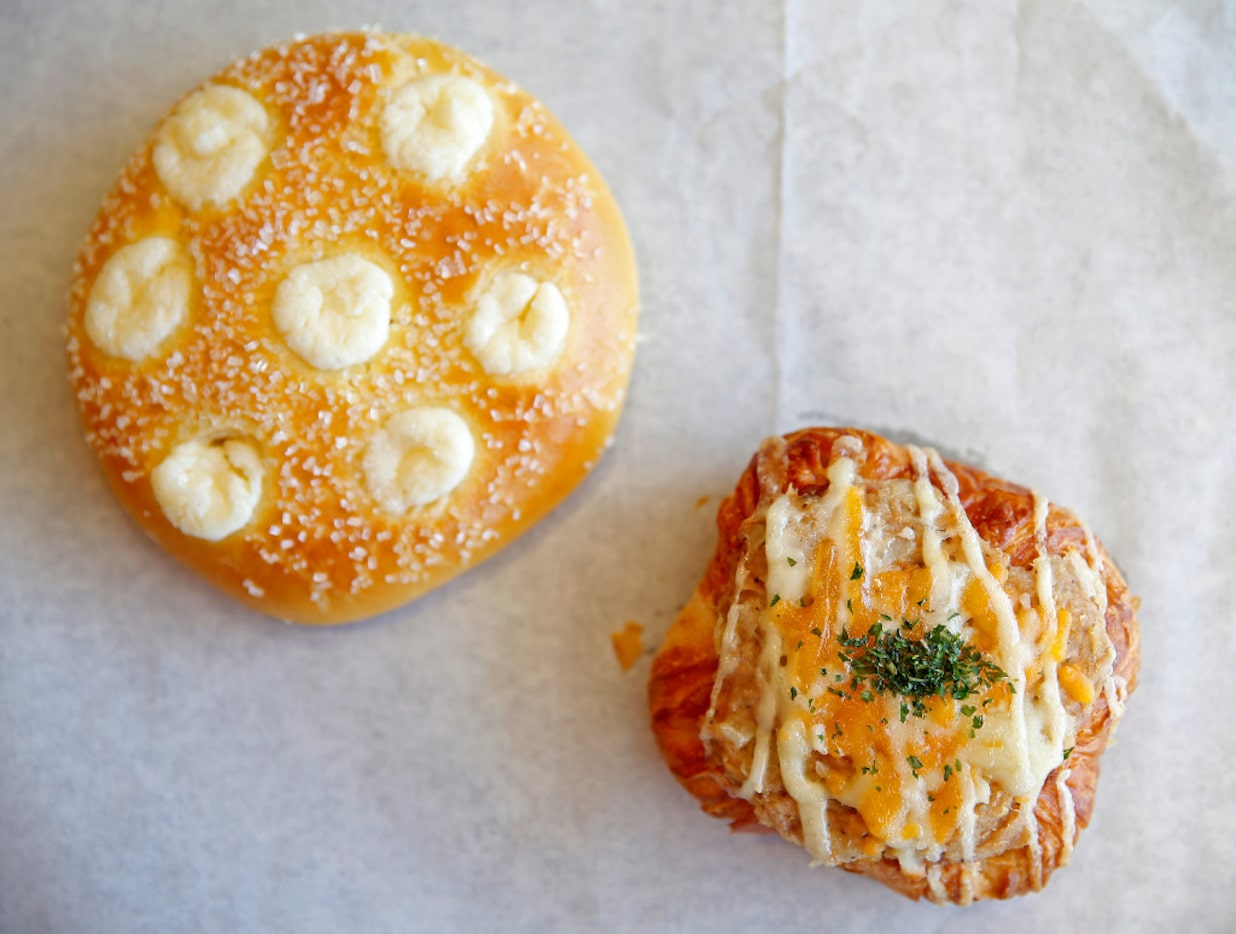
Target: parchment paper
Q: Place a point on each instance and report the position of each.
(1006, 229)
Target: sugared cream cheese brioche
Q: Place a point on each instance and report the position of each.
(904, 665)
(356, 315)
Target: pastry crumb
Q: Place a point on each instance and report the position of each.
(628, 644)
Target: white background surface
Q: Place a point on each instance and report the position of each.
(1008, 229)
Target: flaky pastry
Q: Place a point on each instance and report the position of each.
(902, 664)
(356, 315)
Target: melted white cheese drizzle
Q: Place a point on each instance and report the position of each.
(794, 752)
(966, 817)
(1032, 842)
(929, 510)
(1054, 722)
(968, 871)
(782, 575)
(727, 649)
(1090, 573)
(1019, 780)
(1068, 816)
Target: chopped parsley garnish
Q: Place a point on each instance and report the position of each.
(867, 696)
(791, 561)
(1068, 752)
(939, 664)
(915, 764)
(815, 631)
(870, 769)
(857, 572)
(948, 771)
(849, 604)
(775, 600)
(793, 693)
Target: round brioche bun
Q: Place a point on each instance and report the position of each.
(705, 713)
(355, 316)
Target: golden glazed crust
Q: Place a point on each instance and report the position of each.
(681, 688)
(320, 547)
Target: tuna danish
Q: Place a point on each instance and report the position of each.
(902, 664)
(356, 315)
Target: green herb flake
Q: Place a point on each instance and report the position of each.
(1068, 752)
(793, 693)
(871, 769)
(948, 771)
(791, 561)
(940, 664)
(857, 572)
(815, 631)
(867, 696)
(886, 617)
(915, 765)
(775, 600)
(966, 709)
(849, 604)
(977, 722)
